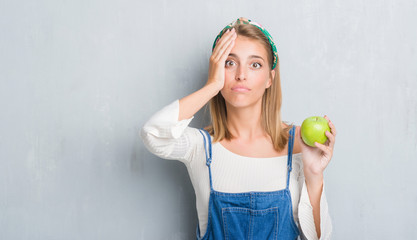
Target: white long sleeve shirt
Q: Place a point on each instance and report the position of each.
(168, 138)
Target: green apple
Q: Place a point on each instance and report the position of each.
(313, 129)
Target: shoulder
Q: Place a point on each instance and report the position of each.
(297, 143)
(197, 141)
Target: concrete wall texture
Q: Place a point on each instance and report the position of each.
(80, 78)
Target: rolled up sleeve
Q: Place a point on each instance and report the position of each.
(168, 138)
(306, 218)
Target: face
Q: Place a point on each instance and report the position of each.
(247, 73)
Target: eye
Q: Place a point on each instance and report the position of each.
(258, 64)
(227, 61)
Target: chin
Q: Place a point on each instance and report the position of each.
(240, 102)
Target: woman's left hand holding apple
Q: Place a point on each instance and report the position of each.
(316, 159)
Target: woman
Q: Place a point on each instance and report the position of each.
(253, 176)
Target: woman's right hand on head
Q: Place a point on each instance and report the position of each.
(191, 104)
(218, 58)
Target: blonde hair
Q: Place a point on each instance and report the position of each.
(271, 100)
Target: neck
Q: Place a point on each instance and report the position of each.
(244, 123)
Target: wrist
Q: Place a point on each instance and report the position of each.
(216, 86)
(314, 179)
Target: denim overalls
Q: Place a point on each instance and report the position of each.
(250, 215)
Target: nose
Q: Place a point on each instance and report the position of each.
(241, 73)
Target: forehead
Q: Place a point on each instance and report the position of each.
(245, 47)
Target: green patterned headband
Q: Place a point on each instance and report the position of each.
(242, 20)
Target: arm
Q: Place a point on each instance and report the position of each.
(314, 185)
(190, 104)
(315, 160)
(308, 212)
(166, 134)
(166, 137)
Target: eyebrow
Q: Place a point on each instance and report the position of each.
(251, 56)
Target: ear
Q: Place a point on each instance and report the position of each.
(271, 77)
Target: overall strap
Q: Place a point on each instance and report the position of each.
(208, 154)
(290, 147)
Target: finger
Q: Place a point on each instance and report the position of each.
(220, 42)
(331, 125)
(333, 128)
(226, 52)
(221, 39)
(331, 139)
(224, 41)
(327, 118)
(322, 147)
(226, 48)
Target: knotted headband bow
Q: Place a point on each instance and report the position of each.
(242, 20)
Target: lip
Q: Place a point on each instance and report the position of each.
(240, 89)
